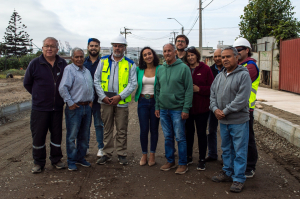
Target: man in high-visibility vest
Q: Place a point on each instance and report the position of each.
(244, 48)
(114, 81)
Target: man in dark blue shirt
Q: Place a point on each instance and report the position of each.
(91, 63)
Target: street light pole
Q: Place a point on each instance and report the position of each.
(200, 28)
(182, 28)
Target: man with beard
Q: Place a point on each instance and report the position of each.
(91, 62)
(114, 81)
(243, 46)
(181, 43)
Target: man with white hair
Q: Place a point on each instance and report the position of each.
(42, 78)
(114, 81)
(76, 88)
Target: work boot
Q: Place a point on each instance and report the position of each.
(103, 160)
(59, 165)
(122, 160)
(237, 187)
(222, 177)
(168, 166)
(182, 169)
(36, 169)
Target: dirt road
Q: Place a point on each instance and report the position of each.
(277, 174)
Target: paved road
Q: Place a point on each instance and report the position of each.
(274, 179)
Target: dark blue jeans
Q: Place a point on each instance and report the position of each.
(148, 120)
(172, 125)
(78, 122)
(212, 136)
(96, 112)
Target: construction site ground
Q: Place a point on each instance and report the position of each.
(277, 174)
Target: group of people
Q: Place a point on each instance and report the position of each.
(181, 94)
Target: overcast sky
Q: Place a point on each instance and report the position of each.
(76, 21)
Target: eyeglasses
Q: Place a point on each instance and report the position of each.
(118, 46)
(52, 47)
(240, 49)
(190, 48)
(180, 41)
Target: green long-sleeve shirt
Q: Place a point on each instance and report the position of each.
(174, 87)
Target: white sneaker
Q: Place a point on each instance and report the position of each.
(100, 153)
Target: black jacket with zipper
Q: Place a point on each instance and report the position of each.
(43, 85)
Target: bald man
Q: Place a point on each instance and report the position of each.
(216, 68)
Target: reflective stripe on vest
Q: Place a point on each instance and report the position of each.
(123, 76)
(254, 88)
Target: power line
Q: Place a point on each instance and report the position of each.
(207, 4)
(222, 6)
(193, 25)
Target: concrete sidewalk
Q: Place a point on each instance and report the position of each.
(283, 100)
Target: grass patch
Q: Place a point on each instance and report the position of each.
(2, 76)
(13, 72)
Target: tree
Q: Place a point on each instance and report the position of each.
(2, 48)
(269, 18)
(16, 39)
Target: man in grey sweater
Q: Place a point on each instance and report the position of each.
(229, 97)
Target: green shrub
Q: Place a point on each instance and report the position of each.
(14, 72)
(26, 59)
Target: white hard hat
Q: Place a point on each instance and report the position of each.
(119, 40)
(242, 42)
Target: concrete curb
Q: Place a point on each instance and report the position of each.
(15, 108)
(282, 127)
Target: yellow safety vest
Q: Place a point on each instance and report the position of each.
(124, 68)
(254, 88)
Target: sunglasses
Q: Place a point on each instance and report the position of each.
(190, 48)
(240, 49)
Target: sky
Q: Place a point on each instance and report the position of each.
(75, 21)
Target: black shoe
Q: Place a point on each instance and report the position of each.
(189, 160)
(201, 165)
(103, 160)
(122, 160)
(249, 173)
(210, 159)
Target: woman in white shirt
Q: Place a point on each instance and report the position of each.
(146, 72)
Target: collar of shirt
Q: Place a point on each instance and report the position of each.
(89, 60)
(77, 68)
(218, 69)
(113, 59)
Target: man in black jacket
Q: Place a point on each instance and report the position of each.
(42, 79)
(216, 68)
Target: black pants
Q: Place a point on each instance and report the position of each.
(40, 122)
(201, 124)
(252, 150)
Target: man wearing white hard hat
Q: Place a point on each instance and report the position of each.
(244, 49)
(114, 81)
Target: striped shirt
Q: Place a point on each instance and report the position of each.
(76, 85)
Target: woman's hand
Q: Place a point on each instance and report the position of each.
(196, 89)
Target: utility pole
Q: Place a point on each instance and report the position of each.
(200, 28)
(125, 32)
(174, 36)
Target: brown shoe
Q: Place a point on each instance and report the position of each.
(143, 160)
(168, 166)
(151, 161)
(182, 169)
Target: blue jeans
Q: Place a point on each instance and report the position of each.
(78, 124)
(172, 125)
(148, 120)
(212, 136)
(235, 139)
(98, 124)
